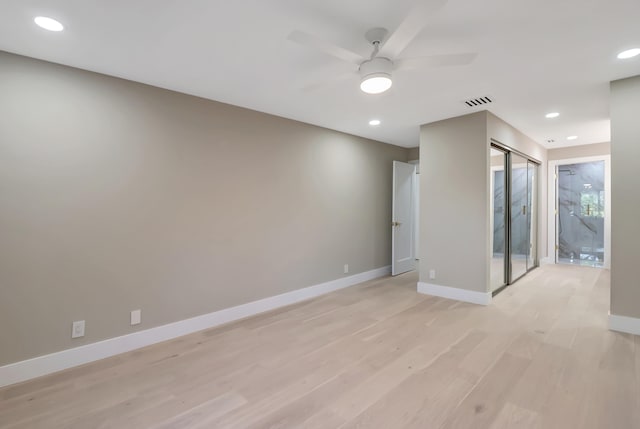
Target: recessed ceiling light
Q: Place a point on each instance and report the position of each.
(374, 122)
(629, 53)
(572, 138)
(48, 23)
(552, 115)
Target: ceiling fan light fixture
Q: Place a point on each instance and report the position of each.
(375, 75)
(376, 83)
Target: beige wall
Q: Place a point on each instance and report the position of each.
(581, 151)
(118, 196)
(625, 197)
(414, 153)
(454, 196)
(454, 206)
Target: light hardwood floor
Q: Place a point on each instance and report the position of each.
(377, 355)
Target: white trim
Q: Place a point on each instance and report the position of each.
(47, 364)
(629, 325)
(415, 162)
(401, 266)
(481, 298)
(552, 186)
(547, 261)
(551, 204)
(416, 213)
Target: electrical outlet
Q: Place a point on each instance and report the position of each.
(432, 274)
(346, 268)
(77, 330)
(136, 317)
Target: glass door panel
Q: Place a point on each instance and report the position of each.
(519, 216)
(580, 221)
(498, 216)
(532, 214)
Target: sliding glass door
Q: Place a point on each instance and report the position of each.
(514, 218)
(519, 216)
(532, 214)
(498, 212)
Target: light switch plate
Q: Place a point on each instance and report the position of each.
(136, 317)
(77, 329)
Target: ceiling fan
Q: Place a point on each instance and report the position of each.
(376, 70)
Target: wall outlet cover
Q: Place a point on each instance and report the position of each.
(77, 329)
(432, 274)
(136, 317)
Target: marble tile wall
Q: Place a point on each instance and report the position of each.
(498, 213)
(519, 222)
(580, 211)
(522, 189)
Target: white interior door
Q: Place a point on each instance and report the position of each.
(402, 222)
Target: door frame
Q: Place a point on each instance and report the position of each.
(505, 266)
(509, 151)
(525, 165)
(416, 208)
(552, 204)
(410, 224)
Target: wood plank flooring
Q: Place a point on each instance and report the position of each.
(377, 355)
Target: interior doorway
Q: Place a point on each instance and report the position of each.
(403, 247)
(580, 229)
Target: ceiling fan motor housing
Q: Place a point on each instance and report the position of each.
(376, 67)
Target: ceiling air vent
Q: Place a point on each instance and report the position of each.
(475, 102)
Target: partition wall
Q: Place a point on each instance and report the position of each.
(514, 219)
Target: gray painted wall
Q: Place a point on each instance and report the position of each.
(414, 153)
(580, 151)
(454, 202)
(117, 196)
(625, 197)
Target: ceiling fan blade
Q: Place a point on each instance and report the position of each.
(324, 46)
(436, 61)
(410, 27)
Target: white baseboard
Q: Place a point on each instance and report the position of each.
(481, 298)
(629, 325)
(546, 261)
(47, 364)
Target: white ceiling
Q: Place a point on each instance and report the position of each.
(534, 57)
